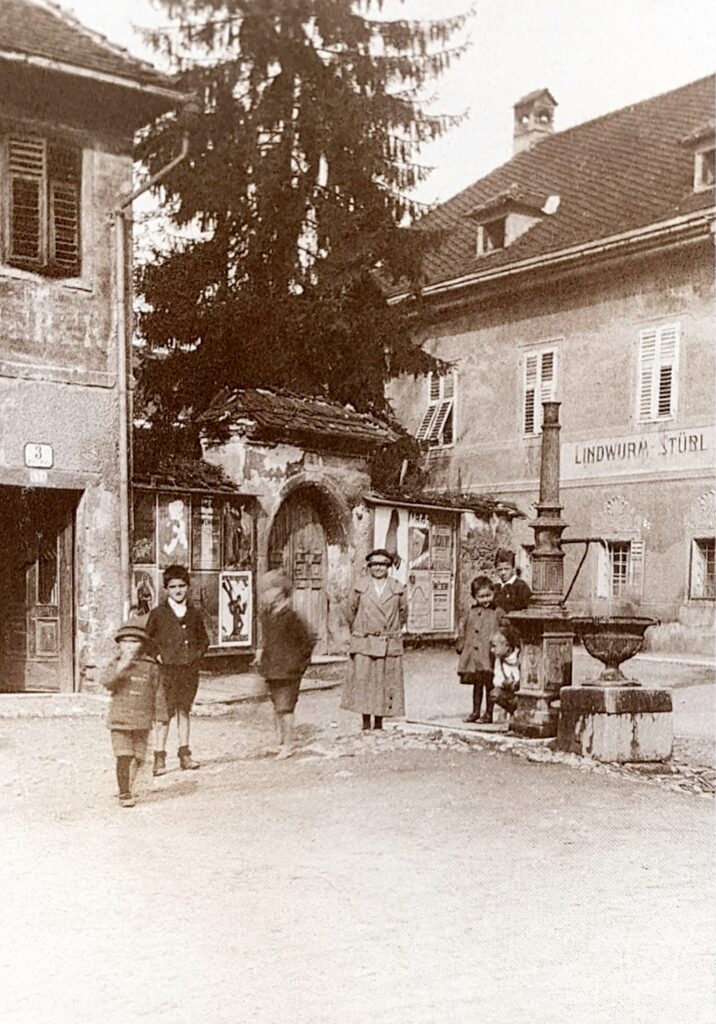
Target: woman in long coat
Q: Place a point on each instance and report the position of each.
(377, 612)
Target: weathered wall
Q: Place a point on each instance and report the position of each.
(58, 387)
(272, 473)
(594, 324)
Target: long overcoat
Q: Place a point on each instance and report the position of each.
(374, 682)
(473, 642)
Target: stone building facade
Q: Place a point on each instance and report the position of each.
(582, 271)
(68, 112)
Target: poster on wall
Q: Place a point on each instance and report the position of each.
(205, 595)
(418, 542)
(206, 535)
(441, 603)
(390, 531)
(235, 609)
(143, 539)
(144, 591)
(441, 547)
(173, 531)
(238, 537)
(419, 599)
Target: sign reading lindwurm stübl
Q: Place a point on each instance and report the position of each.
(658, 452)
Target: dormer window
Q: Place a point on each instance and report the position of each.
(491, 236)
(704, 169)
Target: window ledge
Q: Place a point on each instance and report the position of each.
(75, 284)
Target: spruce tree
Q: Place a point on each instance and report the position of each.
(292, 206)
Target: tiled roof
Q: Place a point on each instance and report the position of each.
(37, 28)
(625, 170)
(181, 473)
(282, 416)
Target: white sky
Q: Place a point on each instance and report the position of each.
(593, 55)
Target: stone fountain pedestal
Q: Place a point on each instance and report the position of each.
(613, 718)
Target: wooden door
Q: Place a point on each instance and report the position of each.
(298, 546)
(37, 590)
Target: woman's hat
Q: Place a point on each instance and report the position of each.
(379, 553)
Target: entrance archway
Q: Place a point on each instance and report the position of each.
(304, 528)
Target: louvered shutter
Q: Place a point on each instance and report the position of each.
(547, 375)
(658, 364)
(647, 371)
(64, 220)
(426, 422)
(668, 361)
(27, 164)
(433, 387)
(698, 570)
(603, 571)
(531, 368)
(636, 566)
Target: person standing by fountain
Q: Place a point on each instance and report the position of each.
(376, 613)
(512, 594)
(473, 645)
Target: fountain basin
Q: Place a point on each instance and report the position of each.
(612, 640)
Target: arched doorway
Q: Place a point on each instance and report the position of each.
(304, 526)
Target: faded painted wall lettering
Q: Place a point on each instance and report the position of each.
(673, 450)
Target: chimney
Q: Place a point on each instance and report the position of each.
(534, 119)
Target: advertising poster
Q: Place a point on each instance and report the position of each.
(206, 535)
(418, 542)
(144, 591)
(390, 531)
(238, 537)
(419, 601)
(442, 617)
(143, 540)
(441, 547)
(235, 609)
(205, 595)
(173, 531)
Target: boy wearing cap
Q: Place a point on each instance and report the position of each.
(133, 681)
(177, 628)
(376, 613)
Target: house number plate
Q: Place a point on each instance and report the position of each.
(38, 456)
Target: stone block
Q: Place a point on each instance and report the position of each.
(616, 723)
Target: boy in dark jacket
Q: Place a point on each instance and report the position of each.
(133, 680)
(512, 594)
(178, 631)
(284, 657)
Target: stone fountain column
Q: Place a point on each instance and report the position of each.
(544, 627)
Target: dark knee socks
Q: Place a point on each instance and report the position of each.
(377, 721)
(123, 767)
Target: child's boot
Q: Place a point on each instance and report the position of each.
(123, 781)
(186, 763)
(160, 763)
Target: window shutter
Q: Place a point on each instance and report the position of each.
(530, 393)
(698, 570)
(603, 567)
(426, 422)
(438, 423)
(668, 361)
(449, 385)
(647, 367)
(433, 387)
(547, 376)
(636, 566)
(64, 221)
(27, 171)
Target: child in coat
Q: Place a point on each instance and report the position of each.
(133, 681)
(505, 645)
(473, 645)
(284, 656)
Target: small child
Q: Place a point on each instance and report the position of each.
(505, 644)
(473, 645)
(133, 680)
(177, 628)
(284, 657)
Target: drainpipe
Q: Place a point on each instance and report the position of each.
(121, 216)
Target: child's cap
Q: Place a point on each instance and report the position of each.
(175, 572)
(132, 629)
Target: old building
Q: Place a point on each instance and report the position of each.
(70, 103)
(582, 270)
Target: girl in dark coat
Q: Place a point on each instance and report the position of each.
(284, 656)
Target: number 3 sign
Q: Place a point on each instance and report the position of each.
(38, 456)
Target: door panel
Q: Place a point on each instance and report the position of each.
(298, 546)
(36, 593)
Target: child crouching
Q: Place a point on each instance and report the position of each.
(505, 646)
(133, 681)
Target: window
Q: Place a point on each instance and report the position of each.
(702, 585)
(437, 426)
(620, 569)
(658, 372)
(704, 169)
(540, 385)
(43, 223)
(491, 236)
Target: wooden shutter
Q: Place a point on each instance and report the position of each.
(668, 361)
(636, 566)
(603, 574)
(698, 570)
(27, 165)
(658, 363)
(548, 374)
(64, 214)
(531, 375)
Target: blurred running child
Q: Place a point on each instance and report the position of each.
(505, 644)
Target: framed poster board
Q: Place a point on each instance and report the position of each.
(205, 535)
(173, 531)
(235, 609)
